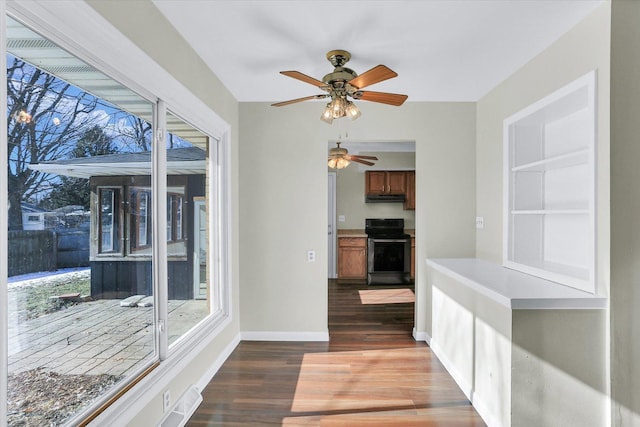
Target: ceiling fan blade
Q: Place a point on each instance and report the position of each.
(375, 75)
(303, 77)
(365, 157)
(364, 162)
(293, 101)
(381, 97)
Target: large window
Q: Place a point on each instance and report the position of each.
(81, 332)
(187, 229)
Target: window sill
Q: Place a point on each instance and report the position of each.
(513, 289)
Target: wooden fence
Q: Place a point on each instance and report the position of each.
(46, 250)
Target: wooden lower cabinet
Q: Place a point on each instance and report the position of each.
(410, 194)
(352, 257)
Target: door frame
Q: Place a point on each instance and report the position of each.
(332, 229)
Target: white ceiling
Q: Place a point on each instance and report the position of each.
(442, 50)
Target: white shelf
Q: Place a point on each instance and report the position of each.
(575, 158)
(551, 212)
(514, 289)
(549, 191)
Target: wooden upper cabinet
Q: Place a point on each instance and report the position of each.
(396, 182)
(386, 182)
(375, 182)
(410, 195)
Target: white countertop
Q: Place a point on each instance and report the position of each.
(514, 289)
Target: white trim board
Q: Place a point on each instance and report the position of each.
(284, 336)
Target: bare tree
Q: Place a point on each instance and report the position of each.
(132, 133)
(46, 116)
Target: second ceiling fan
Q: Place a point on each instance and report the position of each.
(342, 84)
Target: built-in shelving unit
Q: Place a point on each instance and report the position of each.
(549, 190)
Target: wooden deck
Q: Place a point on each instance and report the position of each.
(371, 373)
(97, 337)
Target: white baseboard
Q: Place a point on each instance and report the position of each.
(283, 336)
(467, 388)
(462, 382)
(215, 367)
(421, 336)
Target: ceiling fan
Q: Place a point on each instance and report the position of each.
(343, 83)
(339, 158)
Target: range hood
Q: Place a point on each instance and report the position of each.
(384, 198)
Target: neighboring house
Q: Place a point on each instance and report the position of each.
(33, 217)
(66, 217)
(121, 219)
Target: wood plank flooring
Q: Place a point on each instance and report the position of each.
(370, 373)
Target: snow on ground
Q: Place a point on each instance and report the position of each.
(42, 277)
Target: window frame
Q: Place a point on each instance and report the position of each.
(177, 223)
(136, 194)
(98, 51)
(117, 218)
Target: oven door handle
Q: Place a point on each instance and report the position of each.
(380, 240)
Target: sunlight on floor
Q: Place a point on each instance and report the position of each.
(386, 296)
(351, 380)
(363, 387)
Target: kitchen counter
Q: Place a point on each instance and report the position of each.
(348, 232)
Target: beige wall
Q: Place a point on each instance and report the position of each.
(283, 207)
(584, 48)
(625, 212)
(350, 189)
(559, 358)
(558, 368)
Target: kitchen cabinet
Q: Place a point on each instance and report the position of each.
(410, 193)
(352, 257)
(385, 182)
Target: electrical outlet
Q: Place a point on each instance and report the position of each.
(311, 256)
(341, 218)
(479, 222)
(166, 400)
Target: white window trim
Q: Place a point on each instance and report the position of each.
(86, 34)
(4, 224)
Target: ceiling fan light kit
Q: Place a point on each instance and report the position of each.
(338, 163)
(340, 107)
(344, 83)
(340, 158)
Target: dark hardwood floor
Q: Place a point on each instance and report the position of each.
(370, 373)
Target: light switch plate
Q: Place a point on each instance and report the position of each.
(479, 222)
